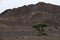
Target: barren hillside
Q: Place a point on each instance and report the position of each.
(16, 24)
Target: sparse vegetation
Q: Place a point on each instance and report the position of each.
(40, 28)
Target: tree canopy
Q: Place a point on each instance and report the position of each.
(39, 27)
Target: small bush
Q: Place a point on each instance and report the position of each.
(40, 28)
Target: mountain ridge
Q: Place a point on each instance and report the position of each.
(31, 5)
(31, 14)
(30, 10)
(19, 21)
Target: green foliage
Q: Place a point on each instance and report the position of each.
(36, 27)
(39, 28)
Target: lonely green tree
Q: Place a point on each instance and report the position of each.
(40, 28)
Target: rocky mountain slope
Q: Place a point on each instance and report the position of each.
(19, 21)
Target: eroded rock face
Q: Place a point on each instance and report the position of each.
(32, 14)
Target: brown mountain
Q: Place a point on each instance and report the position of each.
(23, 18)
(31, 13)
